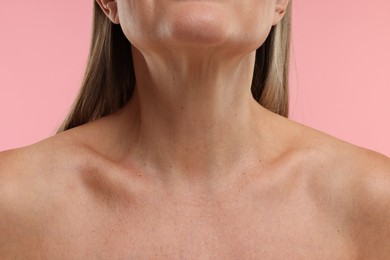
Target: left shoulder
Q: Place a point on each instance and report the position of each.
(371, 181)
(353, 184)
(368, 197)
(349, 183)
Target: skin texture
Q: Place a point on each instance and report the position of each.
(192, 167)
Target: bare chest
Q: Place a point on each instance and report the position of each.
(231, 231)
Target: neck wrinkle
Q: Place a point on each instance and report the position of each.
(194, 126)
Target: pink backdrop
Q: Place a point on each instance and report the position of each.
(340, 80)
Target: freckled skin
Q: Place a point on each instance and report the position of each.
(296, 206)
(192, 167)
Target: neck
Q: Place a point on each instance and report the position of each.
(197, 121)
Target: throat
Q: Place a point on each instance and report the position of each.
(197, 121)
(189, 143)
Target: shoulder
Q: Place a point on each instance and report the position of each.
(17, 210)
(34, 183)
(353, 184)
(36, 168)
(41, 160)
(370, 204)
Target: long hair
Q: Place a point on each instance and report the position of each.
(109, 79)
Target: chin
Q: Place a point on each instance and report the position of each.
(198, 23)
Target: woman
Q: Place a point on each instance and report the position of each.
(195, 159)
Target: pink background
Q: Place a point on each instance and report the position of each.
(340, 79)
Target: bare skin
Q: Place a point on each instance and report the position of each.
(192, 167)
(319, 198)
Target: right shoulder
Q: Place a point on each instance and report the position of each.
(33, 183)
(19, 223)
(43, 159)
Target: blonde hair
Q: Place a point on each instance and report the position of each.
(109, 80)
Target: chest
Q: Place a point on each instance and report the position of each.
(231, 231)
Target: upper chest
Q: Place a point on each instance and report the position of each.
(236, 226)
